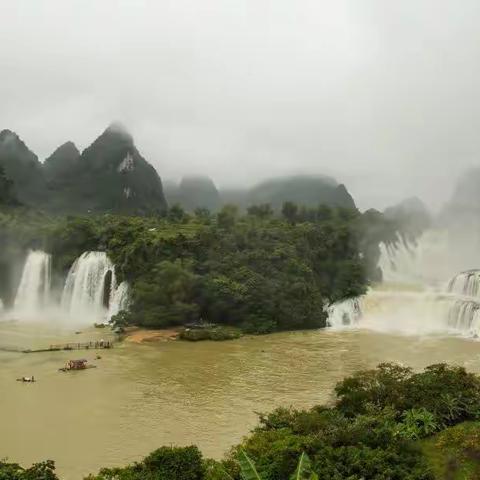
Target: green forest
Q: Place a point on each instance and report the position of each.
(257, 271)
(389, 423)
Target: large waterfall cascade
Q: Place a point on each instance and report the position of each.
(33, 292)
(414, 297)
(420, 262)
(90, 293)
(90, 286)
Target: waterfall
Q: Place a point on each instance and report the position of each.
(465, 283)
(120, 299)
(427, 260)
(463, 313)
(410, 312)
(34, 289)
(414, 298)
(345, 313)
(89, 286)
(397, 261)
(464, 316)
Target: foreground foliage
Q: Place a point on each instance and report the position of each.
(388, 423)
(38, 471)
(455, 452)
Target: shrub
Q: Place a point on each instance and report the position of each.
(417, 423)
(215, 333)
(38, 471)
(172, 463)
(450, 393)
(175, 463)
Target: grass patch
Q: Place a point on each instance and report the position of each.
(454, 453)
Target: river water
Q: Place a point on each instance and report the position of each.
(143, 396)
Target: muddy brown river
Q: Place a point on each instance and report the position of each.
(143, 396)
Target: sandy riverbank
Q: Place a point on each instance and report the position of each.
(141, 335)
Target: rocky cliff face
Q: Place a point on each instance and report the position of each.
(108, 176)
(22, 167)
(7, 196)
(112, 176)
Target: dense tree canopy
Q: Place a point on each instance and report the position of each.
(259, 271)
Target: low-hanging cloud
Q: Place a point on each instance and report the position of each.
(381, 95)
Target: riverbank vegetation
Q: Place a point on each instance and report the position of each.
(259, 271)
(214, 332)
(387, 423)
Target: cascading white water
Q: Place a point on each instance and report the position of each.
(464, 317)
(419, 262)
(345, 313)
(85, 287)
(34, 289)
(414, 298)
(464, 307)
(397, 261)
(465, 283)
(120, 299)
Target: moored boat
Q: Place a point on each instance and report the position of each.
(81, 364)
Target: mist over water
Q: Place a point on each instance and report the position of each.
(90, 292)
(424, 291)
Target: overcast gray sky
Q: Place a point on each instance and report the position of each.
(381, 94)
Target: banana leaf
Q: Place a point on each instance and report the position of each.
(304, 469)
(247, 467)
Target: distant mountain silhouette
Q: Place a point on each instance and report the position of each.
(7, 196)
(112, 176)
(308, 190)
(465, 200)
(234, 196)
(109, 176)
(61, 162)
(22, 167)
(461, 215)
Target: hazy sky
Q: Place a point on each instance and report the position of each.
(381, 94)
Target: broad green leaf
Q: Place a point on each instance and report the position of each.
(226, 475)
(247, 467)
(304, 469)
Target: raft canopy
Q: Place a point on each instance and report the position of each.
(78, 363)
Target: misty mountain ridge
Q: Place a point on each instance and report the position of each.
(411, 215)
(193, 191)
(108, 176)
(466, 194)
(22, 167)
(199, 191)
(112, 176)
(61, 161)
(462, 212)
(307, 190)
